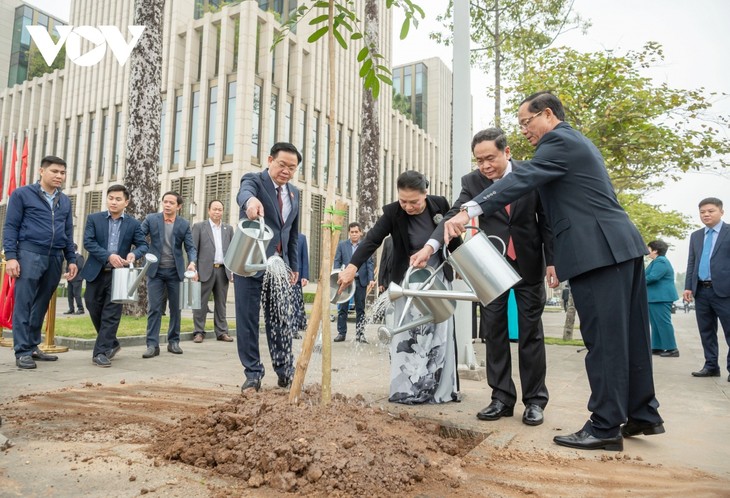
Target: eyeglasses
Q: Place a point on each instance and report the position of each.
(523, 125)
(291, 168)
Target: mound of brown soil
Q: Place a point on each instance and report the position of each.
(345, 448)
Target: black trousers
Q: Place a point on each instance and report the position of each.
(614, 322)
(531, 346)
(74, 294)
(104, 314)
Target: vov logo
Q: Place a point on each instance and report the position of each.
(100, 37)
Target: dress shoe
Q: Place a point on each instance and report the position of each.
(174, 348)
(670, 353)
(101, 360)
(198, 338)
(69, 312)
(633, 428)
(113, 351)
(339, 338)
(284, 382)
(224, 338)
(657, 351)
(25, 362)
(533, 415)
(251, 384)
(79, 312)
(151, 351)
(495, 411)
(584, 440)
(39, 355)
(707, 372)
(361, 339)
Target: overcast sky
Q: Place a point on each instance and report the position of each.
(695, 36)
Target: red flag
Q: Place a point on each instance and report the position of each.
(7, 302)
(13, 162)
(24, 163)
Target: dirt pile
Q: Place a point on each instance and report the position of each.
(345, 448)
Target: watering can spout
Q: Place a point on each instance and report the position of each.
(149, 259)
(395, 291)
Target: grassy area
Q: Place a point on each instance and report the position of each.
(560, 342)
(81, 327)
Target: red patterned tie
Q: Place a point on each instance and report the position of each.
(281, 215)
(510, 245)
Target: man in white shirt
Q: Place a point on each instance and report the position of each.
(211, 238)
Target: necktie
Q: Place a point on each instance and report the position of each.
(281, 215)
(510, 245)
(703, 272)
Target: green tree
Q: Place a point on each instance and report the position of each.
(507, 34)
(648, 132)
(402, 105)
(37, 65)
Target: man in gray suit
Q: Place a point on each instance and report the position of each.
(601, 253)
(211, 239)
(363, 279)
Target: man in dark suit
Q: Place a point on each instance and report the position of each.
(523, 228)
(363, 278)
(299, 315)
(168, 234)
(601, 253)
(74, 286)
(270, 195)
(211, 239)
(108, 235)
(708, 282)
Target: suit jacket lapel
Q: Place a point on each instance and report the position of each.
(721, 237)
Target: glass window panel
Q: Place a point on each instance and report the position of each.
(212, 109)
(231, 118)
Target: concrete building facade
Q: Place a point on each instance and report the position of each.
(227, 95)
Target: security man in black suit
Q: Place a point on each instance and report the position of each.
(527, 241)
(601, 253)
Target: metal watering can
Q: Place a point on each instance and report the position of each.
(480, 264)
(246, 254)
(125, 281)
(340, 297)
(189, 292)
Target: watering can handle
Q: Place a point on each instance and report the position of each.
(472, 227)
(260, 219)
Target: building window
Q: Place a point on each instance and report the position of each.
(315, 247)
(338, 160)
(77, 153)
(90, 149)
(117, 145)
(230, 119)
(67, 143)
(193, 124)
(256, 123)
(163, 114)
(315, 148)
(273, 121)
(103, 139)
(92, 202)
(302, 136)
(177, 131)
(186, 188)
(286, 127)
(218, 187)
(212, 109)
(348, 161)
(326, 168)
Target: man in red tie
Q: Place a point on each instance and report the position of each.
(527, 239)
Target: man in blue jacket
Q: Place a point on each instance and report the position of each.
(38, 235)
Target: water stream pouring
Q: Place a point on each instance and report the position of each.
(246, 254)
(125, 281)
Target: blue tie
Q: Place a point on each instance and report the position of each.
(704, 270)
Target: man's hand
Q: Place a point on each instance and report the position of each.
(687, 296)
(191, 267)
(420, 259)
(294, 277)
(254, 209)
(551, 277)
(346, 277)
(72, 271)
(454, 227)
(116, 260)
(131, 258)
(305, 282)
(12, 268)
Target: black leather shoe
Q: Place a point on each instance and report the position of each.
(339, 338)
(113, 351)
(361, 339)
(174, 348)
(39, 355)
(657, 351)
(284, 382)
(251, 384)
(101, 360)
(707, 372)
(533, 415)
(495, 411)
(79, 312)
(69, 312)
(25, 362)
(151, 351)
(632, 428)
(583, 440)
(670, 353)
